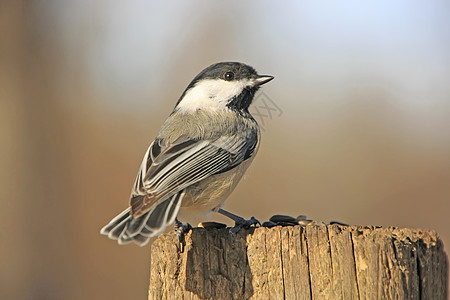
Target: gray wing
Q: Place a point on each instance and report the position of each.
(168, 169)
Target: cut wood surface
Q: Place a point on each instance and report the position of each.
(301, 262)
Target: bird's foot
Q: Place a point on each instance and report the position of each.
(243, 223)
(239, 222)
(181, 228)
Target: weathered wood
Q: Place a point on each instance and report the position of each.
(301, 262)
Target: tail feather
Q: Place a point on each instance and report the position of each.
(123, 238)
(146, 231)
(117, 231)
(136, 224)
(116, 221)
(125, 228)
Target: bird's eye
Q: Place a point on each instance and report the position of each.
(229, 76)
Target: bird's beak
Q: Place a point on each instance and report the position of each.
(261, 79)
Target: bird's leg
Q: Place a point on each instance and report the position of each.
(238, 221)
(181, 229)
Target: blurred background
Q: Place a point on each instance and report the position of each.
(360, 130)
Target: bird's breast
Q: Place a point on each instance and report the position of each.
(212, 192)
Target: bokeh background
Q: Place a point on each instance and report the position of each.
(364, 134)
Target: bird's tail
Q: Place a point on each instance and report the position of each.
(125, 228)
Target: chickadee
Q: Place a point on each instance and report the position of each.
(198, 157)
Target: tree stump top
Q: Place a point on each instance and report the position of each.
(301, 262)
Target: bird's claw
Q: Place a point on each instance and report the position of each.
(243, 223)
(181, 228)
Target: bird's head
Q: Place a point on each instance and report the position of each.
(225, 85)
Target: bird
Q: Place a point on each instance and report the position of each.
(197, 158)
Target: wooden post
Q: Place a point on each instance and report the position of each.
(301, 262)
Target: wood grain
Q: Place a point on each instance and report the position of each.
(301, 262)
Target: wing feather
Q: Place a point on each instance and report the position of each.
(168, 169)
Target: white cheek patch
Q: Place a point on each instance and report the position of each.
(211, 94)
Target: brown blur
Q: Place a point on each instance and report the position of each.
(363, 138)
